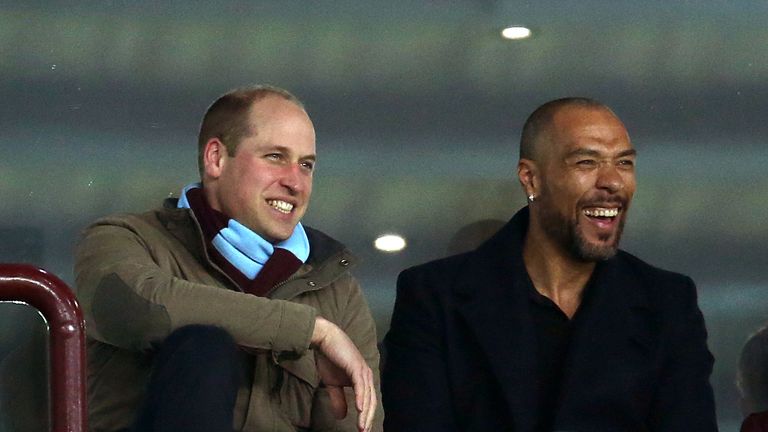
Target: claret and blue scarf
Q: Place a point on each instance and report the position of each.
(255, 264)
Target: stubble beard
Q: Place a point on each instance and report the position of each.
(568, 234)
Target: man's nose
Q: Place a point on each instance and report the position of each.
(292, 178)
(609, 178)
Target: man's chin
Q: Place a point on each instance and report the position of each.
(279, 235)
(596, 246)
(600, 253)
(591, 251)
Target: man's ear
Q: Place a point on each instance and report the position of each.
(528, 174)
(214, 157)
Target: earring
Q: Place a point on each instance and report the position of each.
(531, 197)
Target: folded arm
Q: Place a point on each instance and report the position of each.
(132, 302)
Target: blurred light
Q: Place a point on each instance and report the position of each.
(516, 33)
(390, 243)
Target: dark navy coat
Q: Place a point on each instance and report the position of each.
(461, 349)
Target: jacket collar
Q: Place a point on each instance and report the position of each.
(328, 259)
(496, 308)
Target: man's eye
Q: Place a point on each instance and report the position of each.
(274, 156)
(586, 162)
(627, 163)
(309, 166)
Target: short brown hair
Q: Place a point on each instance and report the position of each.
(227, 118)
(540, 119)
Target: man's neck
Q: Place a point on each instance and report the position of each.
(554, 272)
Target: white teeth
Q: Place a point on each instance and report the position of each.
(602, 212)
(281, 206)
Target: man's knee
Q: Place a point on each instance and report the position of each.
(195, 376)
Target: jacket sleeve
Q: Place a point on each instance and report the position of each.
(684, 398)
(354, 317)
(130, 301)
(415, 377)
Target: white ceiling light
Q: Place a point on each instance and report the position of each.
(389, 243)
(516, 32)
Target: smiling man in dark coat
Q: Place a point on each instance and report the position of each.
(547, 325)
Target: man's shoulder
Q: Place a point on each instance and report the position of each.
(323, 247)
(647, 271)
(439, 272)
(155, 218)
(445, 263)
(152, 225)
(663, 287)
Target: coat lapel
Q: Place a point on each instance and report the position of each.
(496, 310)
(614, 341)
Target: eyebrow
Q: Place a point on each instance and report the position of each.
(595, 153)
(625, 153)
(284, 149)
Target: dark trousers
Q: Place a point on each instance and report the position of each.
(195, 376)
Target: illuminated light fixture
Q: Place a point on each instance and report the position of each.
(389, 243)
(515, 33)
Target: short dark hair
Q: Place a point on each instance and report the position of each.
(753, 370)
(227, 118)
(540, 119)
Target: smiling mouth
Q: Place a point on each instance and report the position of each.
(601, 212)
(603, 216)
(281, 206)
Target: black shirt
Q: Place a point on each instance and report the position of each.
(554, 332)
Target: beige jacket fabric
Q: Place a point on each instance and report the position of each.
(141, 276)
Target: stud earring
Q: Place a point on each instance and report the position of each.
(531, 197)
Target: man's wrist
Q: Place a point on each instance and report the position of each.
(320, 331)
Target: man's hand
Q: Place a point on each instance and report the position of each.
(340, 364)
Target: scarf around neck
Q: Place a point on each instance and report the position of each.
(245, 251)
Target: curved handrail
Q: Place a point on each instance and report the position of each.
(56, 302)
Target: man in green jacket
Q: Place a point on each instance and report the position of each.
(221, 311)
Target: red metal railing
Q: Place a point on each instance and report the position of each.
(57, 303)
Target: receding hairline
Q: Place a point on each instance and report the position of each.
(253, 118)
(227, 118)
(539, 122)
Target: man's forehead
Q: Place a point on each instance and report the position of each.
(576, 126)
(281, 125)
(273, 109)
